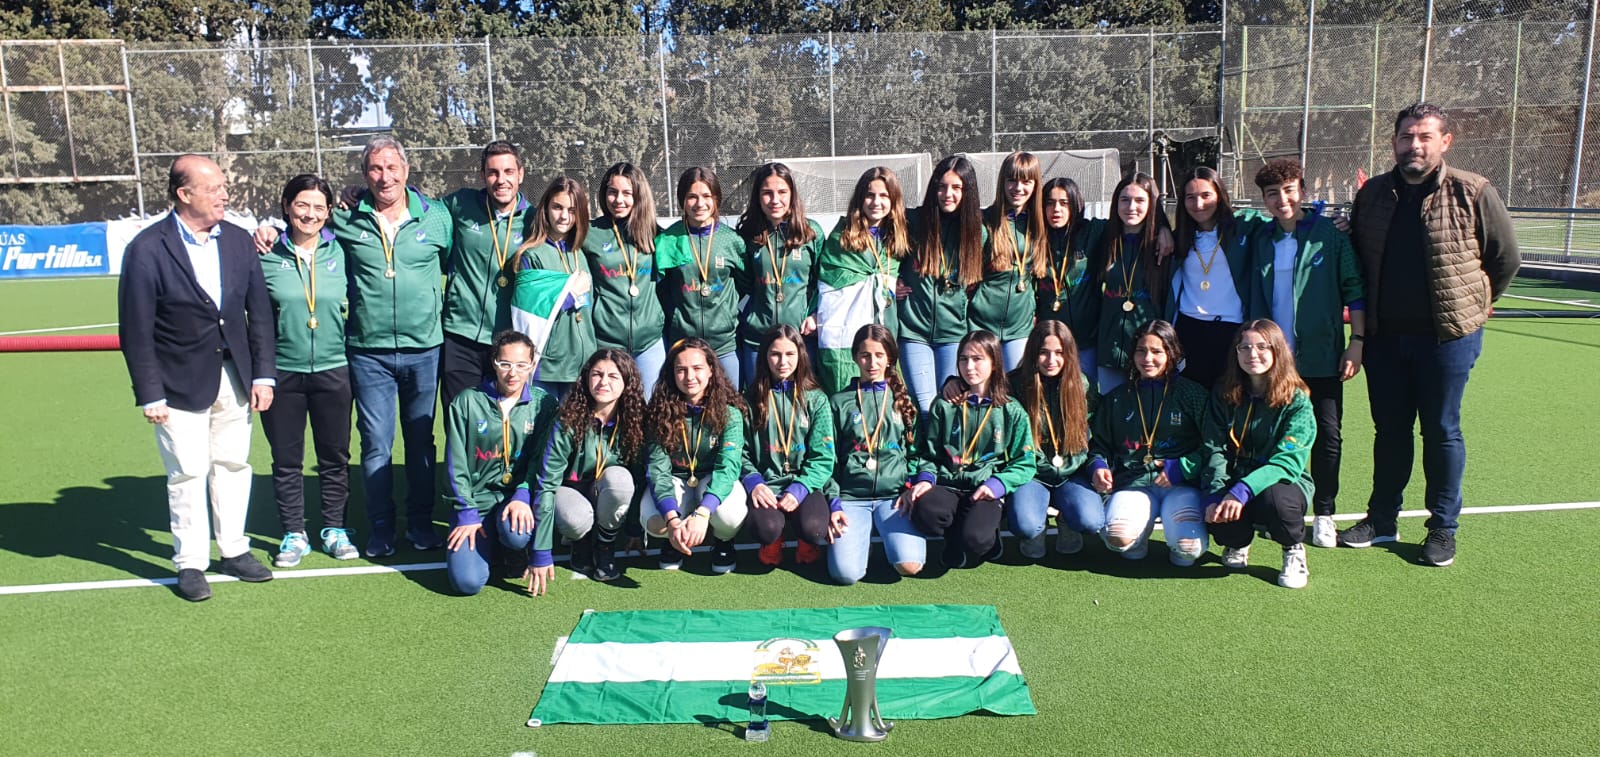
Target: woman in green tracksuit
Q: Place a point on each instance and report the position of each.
(555, 244)
(1060, 402)
(857, 275)
(1130, 276)
(1063, 295)
(620, 249)
(1258, 434)
(491, 433)
(781, 251)
(948, 238)
(695, 448)
(1019, 255)
(975, 450)
(788, 450)
(702, 264)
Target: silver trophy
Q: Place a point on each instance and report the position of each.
(861, 649)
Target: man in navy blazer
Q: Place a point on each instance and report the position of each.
(196, 327)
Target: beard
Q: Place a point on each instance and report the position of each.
(1415, 166)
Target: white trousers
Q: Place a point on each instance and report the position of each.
(725, 520)
(208, 451)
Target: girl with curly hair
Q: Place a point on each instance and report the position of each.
(788, 453)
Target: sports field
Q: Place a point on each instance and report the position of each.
(1494, 655)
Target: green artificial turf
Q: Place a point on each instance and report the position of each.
(1492, 655)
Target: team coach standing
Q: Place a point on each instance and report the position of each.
(1437, 249)
(197, 334)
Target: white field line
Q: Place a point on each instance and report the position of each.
(84, 327)
(361, 570)
(1573, 303)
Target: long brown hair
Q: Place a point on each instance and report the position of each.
(996, 391)
(1019, 166)
(577, 410)
(641, 221)
(968, 218)
(761, 388)
(855, 235)
(668, 406)
(754, 226)
(1282, 378)
(1155, 274)
(1187, 227)
(903, 403)
(543, 232)
(1073, 393)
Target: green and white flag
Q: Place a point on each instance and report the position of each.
(691, 666)
(538, 297)
(851, 293)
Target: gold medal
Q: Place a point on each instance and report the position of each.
(705, 291)
(633, 290)
(1148, 460)
(502, 281)
(778, 297)
(1205, 285)
(693, 482)
(872, 463)
(388, 273)
(578, 317)
(312, 324)
(506, 479)
(1022, 287)
(1127, 306)
(1058, 461)
(1055, 305)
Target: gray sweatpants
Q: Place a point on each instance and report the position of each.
(576, 515)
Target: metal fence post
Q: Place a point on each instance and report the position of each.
(1372, 106)
(133, 131)
(833, 144)
(316, 118)
(1511, 141)
(1244, 103)
(994, 103)
(1583, 120)
(1222, 77)
(488, 69)
(1427, 53)
(666, 137)
(1305, 109)
(1150, 99)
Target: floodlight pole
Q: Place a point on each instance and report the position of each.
(1577, 143)
(1305, 110)
(1427, 54)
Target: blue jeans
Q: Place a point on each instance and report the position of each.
(1012, 352)
(1182, 517)
(1080, 508)
(381, 376)
(469, 568)
(1086, 356)
(1107, 379)
(1412, 377)
(730, 366)
(649, 363)
(847, 558)
(926, 367)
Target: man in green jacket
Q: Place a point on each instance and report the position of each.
(1438, 248)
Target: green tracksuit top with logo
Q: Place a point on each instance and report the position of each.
(935, 312)
(868, 427)
(973, 443)
(1258, 445)
(706, 454)
(1003, 303)
(627, 306)
(572, 334)
(1327, 279)
(1150, 418)
(402, 311)
(765, 267)
(482, 445)
(1062, 294)
(1046, 448)
(1123, 282)
(293, 283)
(793, 449)
(476, 306)
(704, 293)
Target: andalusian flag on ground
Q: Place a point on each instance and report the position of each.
(851, 293)
(691, 666)
(538, 298)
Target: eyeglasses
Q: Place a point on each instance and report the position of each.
(1245, 349)
(507, 365)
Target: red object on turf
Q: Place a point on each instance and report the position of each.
(771, 554)
(91, 343)
(806, 553)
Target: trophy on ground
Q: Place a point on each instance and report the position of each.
(861, 649)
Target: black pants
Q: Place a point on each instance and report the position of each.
(976, 524)
(1327, 403)
(325, 397)
(1205, 348)
(810, 520)
(1281, 508)
(463, 364)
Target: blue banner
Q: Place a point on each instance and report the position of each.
(41, 251)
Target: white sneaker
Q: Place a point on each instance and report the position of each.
(1068, 541)
(1236, 557)
(1295, 572)
(1323, 533)
(1032, 549)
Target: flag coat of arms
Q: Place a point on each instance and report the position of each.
(693, 666)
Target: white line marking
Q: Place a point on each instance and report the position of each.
(1573, 303)
(58, 328)
(130, 583)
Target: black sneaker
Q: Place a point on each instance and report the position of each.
(723, 560)
(245, 567)
(1439, 549)
(1363, 535)
(998, 551)
(192, 585)
(582, 555)
(605, 561)
(670, 559)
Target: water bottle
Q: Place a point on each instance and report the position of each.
(758, 729)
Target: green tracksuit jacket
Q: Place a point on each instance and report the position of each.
(290, 282)
(402, 312)
(1172, 411)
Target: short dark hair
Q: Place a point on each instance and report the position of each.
(1420, 110)
(302, 183)
(512, 336)
(177, 178)
(499, 147)
(1169, 342)
(1280, 171)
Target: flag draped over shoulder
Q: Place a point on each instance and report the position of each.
(540, 295)
(851, 293)
(692, 666)
(672, 248)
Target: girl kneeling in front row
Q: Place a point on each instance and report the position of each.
(586, 474)
(976, 449)
(788, 454)
(1258, 437)
(695, 424)
(1146, 446)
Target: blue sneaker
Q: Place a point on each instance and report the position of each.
(424, 538)
(336, 542)
(381, 542)
(293, 547)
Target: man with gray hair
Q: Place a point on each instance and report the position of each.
(395, 242)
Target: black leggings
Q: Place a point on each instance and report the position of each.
(977, 524)
(1281, 508)
(810, 520)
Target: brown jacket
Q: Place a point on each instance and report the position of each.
(1471, 249)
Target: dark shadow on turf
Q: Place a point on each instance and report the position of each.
(95, 524)
(1101, 561)
(815, 723)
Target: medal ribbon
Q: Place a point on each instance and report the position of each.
(1237, 434)
(876, 434)
(971, 445)
(1149, 432)
(308, 284)
(500, 252)
(786, 441)
(704, 265)
(691, 452)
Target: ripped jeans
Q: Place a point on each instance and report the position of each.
(1131, 514)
